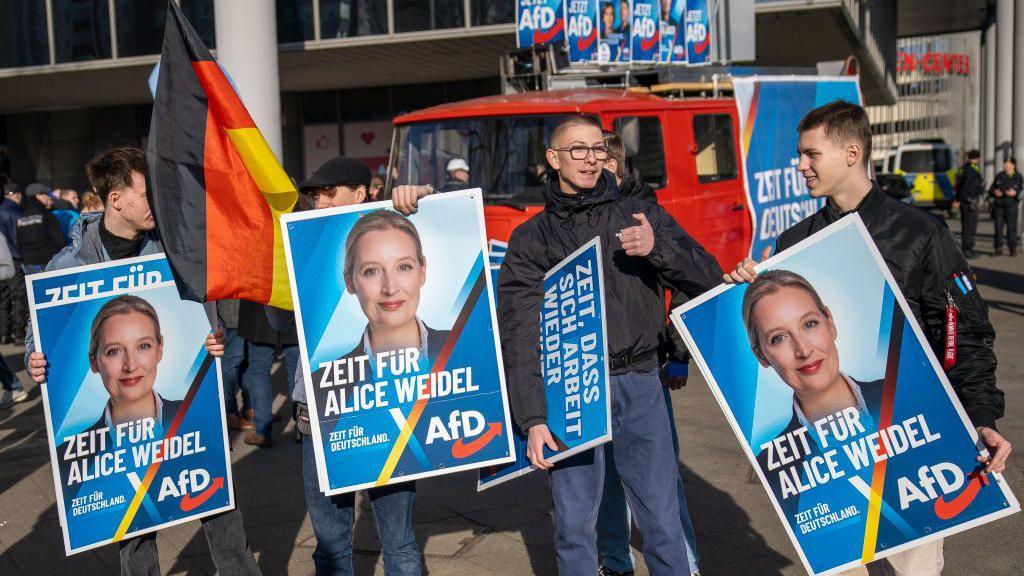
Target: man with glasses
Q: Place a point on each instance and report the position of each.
(644, 251)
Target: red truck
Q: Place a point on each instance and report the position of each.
(687, 149)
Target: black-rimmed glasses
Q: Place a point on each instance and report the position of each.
(581, 152)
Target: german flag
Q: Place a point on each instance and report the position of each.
(216, 188)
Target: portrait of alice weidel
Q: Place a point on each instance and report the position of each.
(132, 400)
(396, 327)
(386, 270)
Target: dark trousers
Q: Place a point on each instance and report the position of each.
(13, 306)
(969, 224)
(225, 535)
(1004, 214)
(649, 471)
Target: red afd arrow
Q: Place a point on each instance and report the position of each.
(460, 450)
(953, 508)
(188, 503)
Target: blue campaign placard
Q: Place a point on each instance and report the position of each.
(673, 31)
(574, 363)
(539, 22)
(581, 30)
(770, 109)
(840, 404)
(133, 404)
(397, 330)
(698, 32)
(645, 41)
(614, 25)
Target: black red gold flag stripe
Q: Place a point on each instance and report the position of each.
(216, 188)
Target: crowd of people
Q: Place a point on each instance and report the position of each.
(595, 493)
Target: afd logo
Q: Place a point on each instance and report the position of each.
(194, 487)
(468, 424)
(645, 26)
(697, 31)
(937, 481)
(543, 19)
(581, 27)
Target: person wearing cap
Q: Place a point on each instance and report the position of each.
(339, 182)
(458, 176)
(38, 231)
(13, 303)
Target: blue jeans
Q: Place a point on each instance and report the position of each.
(613, 519)
(257, 380)
(225, 535)
(230, 366)
(32, 268)
(7, 378)
(332, 518)
(647, 466)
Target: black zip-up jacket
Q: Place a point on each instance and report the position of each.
(633, 290)
(1004, 181)
(970, 184)
(923, 257)
(39, 235)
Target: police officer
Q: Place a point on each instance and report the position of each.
(1006, 191)
(970, 184)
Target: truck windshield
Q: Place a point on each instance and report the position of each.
(934, 160)
(505, 156)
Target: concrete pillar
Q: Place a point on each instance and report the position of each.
(988, 154)
(247, 49)
(1018, 74)
(1004, 78)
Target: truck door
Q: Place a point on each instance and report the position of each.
(707, 178)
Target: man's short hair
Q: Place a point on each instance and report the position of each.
(844, 123)
(571, 122)
(617, 152)
(113, 169)
(974, 155)
(1011, 160)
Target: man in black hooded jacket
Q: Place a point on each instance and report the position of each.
(644, 250)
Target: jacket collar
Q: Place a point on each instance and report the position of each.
(562, 204)
(870, 206)
(87, 245)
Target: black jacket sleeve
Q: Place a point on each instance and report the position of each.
(671, 346)
(53, 229)
(520, 293)
(683, 265)
(973, 377)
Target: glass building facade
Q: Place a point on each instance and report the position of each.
(54, 32)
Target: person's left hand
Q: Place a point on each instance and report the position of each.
(638, 240)
(406, 197)
(1011, 193)
(215, 343)
(999, 449)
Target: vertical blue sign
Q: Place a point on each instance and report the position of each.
(769, 111)
(581, 29)
(673, 31)
(698, 32)
(539, 22)
(574, 363)
(646, 31)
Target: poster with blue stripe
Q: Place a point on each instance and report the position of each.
(770, 109)
(396, 323)
(539, 22)
(698, 32)
(645, 42)
(614, 24)
(840, 404)
(673, 31)
(133, 405)
(574, 364)
(581, 30)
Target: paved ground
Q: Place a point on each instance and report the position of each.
(505, 530)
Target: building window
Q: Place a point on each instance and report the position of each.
(23, 33)
(200, 15)
(345, 18)
(649, 156)
(294, 21)
(716, 152)
(487, 12)
(140, 26)
(417, 15)
(81, 30)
